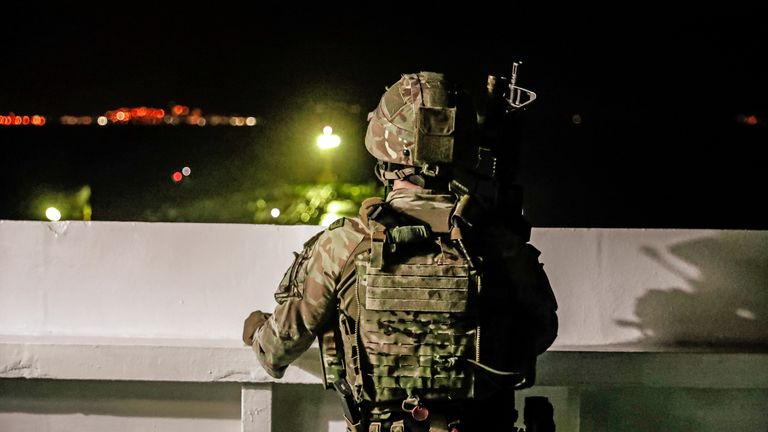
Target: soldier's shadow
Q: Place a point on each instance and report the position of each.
(725, 304)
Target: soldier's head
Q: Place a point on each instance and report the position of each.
(422, 127)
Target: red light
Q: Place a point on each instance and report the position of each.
(17, 120)
(750, 120)
(25, 120)
(177, 176)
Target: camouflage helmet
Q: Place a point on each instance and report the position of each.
(416, 122)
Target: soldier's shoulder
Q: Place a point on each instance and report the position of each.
(344, 233)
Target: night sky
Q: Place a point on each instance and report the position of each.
(639, 120)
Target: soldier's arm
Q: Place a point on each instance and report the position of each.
(536, 297)
(304, 311)
(532, 292)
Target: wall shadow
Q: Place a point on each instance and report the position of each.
(728, 305)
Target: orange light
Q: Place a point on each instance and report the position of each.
(16, 120)
(750, 120)
(25, 120)
(42, 120)
(177, 110)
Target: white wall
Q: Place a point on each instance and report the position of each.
(160, 306)
(201, 280)
(139, 279)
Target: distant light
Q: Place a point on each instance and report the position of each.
(250, 121)
(745, 313)
(750, 120)
(275, 212)
(53, 214)
(102, 121)
(186, 171)
(120, 116)
(328, 218)
(334, 206)
(201, 121)
(328, 140)
(176, 176)
(179, 110)
(576, 119)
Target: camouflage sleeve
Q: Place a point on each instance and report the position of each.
(306, 297)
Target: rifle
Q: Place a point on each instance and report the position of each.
(491, 182)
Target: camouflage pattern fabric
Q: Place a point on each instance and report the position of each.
(409, 349)
(307, 297)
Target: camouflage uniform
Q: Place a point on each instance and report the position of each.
(410, 294)
(518, 309)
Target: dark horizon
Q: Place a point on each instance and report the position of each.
(639, 122)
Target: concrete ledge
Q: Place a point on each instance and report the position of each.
(130, 359)
(186, 360)
(711, 369)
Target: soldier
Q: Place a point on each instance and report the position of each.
(430, 308)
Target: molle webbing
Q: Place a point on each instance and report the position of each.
(425, 288)
(415, 327)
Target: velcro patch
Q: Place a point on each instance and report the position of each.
(338, 223)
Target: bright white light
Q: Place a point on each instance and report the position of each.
(328, 140)
(275, 212)
(102, 121)
(186, 171)
(250, 121)
(328, 219)
(746, 314)
(53, 214)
